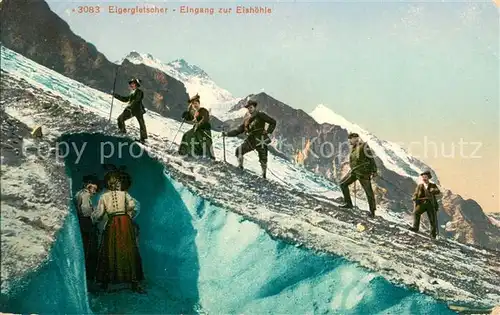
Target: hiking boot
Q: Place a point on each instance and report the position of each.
(264, 171)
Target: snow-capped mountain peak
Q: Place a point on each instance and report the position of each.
(182, 66)
(136, 57)
(322, 114)
(218, 100)
(392, 155)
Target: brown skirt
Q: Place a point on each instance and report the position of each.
(119, 259)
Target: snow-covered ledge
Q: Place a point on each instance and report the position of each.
(446, 270)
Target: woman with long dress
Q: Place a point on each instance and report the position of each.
(119, 260)
(197, 142)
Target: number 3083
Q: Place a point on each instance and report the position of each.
(89, 9)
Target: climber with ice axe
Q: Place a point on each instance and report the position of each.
(135, 108)
(254, 126)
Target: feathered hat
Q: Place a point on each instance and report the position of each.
(194, 98)
(251, 103)
(117, 180)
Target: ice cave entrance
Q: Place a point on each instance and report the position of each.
(202, 259)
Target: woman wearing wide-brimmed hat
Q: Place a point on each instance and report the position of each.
(119, 258)
(197, 142)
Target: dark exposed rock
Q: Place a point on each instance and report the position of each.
(30, 28)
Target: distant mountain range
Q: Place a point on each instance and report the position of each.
(197, 81)
(32, 29)
(495, 218)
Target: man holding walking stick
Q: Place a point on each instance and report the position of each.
(363, 169)
(425, 201)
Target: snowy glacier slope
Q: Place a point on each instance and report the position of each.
(392, 155)
(218, 100)
(99, 103)
(283, 206)
(201, 258)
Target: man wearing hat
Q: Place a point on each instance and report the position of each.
(135, 108)
(425, 201)
(197, 142)
(254, 126)
(84, 208)
(363, 168)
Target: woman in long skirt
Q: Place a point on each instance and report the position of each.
(119, 260)
(197, 142)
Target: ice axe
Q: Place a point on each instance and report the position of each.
(224, 143)
(112, 93)
(173, 140)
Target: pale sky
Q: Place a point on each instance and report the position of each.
(402, 70)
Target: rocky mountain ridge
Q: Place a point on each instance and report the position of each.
(33, 30)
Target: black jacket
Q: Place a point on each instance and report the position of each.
(422, 195)
(254, 126)
(362, 160)
(134, 101)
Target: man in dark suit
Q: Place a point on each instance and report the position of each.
(425, 202)
(89, 233)
(363, 169)
(135, 108)
(254, 126)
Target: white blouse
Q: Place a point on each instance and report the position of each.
(114, 202)
(84, 203)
